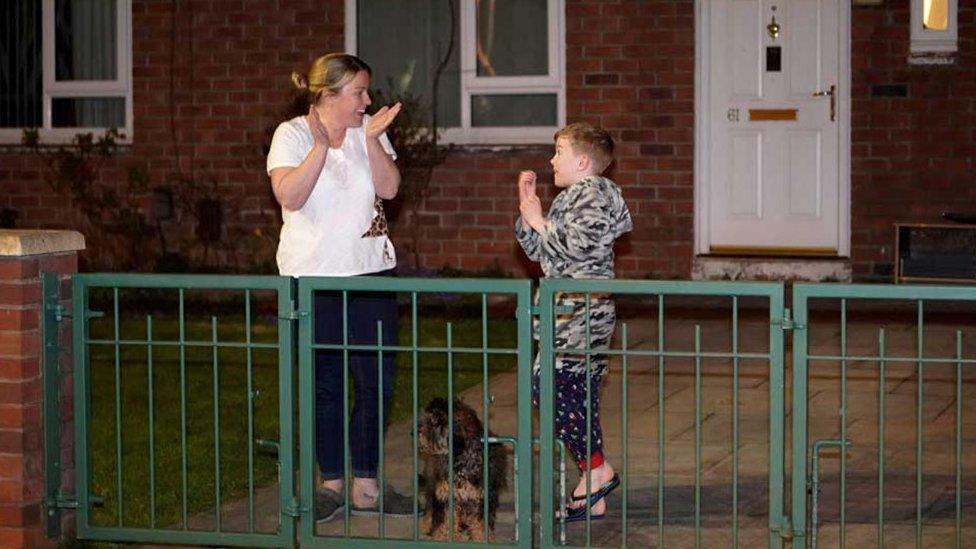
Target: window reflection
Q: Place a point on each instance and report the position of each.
(419, 31)
(512, 37)
(85, 40)
(524, 109)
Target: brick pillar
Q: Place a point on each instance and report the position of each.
(24, 255)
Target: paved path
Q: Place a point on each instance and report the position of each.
(718, 461)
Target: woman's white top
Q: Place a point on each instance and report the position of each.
(325, 237)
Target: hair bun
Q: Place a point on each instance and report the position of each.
(300, 80)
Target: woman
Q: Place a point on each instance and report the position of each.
(330, 170)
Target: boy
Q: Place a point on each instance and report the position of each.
(575, 240)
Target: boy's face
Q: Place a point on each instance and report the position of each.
(567, 165)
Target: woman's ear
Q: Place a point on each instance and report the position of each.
(324, 98)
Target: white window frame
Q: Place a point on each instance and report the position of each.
(54, 89)
(472, 84)
(926, 42)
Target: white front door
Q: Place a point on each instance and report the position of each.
(773, 175)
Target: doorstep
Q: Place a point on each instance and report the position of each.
(801, 269)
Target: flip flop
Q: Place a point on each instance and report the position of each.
(601, 493)
(579, 514)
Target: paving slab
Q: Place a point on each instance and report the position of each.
(740, 471)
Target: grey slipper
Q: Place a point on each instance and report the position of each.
(328, 505)
(394, 505)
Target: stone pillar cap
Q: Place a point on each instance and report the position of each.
(19, 243)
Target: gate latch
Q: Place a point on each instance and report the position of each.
(787, 324)
(293, 509)
(294, 314)
(61, 500)
(62, 313)
(814, 483)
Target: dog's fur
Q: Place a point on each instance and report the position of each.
(469, 486)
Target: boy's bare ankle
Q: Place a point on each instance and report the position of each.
(600, 475)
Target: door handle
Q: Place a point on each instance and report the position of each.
(832, 92)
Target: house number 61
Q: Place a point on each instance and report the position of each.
(733, 115)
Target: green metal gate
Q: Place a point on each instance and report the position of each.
(905, 484)
(115, 507)
(119, 499)
(409, 291)
(188, 382)
(771, 295)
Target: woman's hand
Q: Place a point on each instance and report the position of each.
(320, 135)
(381, 120)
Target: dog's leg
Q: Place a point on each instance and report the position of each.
(436, 518)
(462, 524)
(440, 533)
(469, 511)
(477, 529)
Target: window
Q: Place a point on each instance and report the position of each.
(503, 82)
(934, 31)
(65, 68)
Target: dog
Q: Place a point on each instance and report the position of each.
(469, 485)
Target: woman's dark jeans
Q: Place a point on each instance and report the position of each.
(364, 309)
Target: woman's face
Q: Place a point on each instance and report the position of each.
(346, 108)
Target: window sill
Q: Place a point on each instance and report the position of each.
(12, 138)
(932, 58)
(492, 137)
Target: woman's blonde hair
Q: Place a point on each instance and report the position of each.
(328, 74)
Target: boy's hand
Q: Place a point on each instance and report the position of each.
(529, 204)
(526, 184)
(531, 210)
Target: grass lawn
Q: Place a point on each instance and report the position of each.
(132, 410)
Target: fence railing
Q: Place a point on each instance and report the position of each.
(887, 367)
(467, 300)
(150, 412)
(185, 410)
(662, 351)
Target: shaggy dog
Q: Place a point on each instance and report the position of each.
(469, 485)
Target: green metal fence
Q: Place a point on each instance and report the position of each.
(410, 292)
(137, 386)
(869, 355)
(662, 353)
(185, 408)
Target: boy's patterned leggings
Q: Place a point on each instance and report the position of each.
(569, 375)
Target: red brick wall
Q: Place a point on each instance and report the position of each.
(630, 68)
(21, 400)
(209, 80)
(915, 156)
(212, 77)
